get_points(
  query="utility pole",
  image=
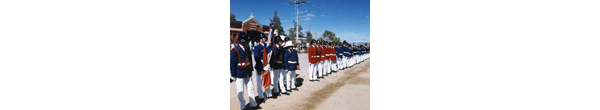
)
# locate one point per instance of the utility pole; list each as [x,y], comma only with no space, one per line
[297,3]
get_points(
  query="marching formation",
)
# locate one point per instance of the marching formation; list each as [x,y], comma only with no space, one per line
[277,61]
[327,57]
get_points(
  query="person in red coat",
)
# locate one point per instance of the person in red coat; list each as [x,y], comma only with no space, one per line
[321,58]
[312,59]
[333,57]
[325,59]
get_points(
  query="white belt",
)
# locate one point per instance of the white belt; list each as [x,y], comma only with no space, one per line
[277,61]
[292,62]
[240,64]
[318,55]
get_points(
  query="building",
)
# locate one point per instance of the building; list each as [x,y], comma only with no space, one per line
[250,24]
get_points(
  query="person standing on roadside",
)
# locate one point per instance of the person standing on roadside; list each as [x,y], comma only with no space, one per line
[240,65]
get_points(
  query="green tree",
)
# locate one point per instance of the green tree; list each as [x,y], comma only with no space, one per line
[231,16]
[292,31]
[330,36]
[276,24]
[308,36]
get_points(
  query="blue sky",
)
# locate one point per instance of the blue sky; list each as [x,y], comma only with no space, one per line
[332,15]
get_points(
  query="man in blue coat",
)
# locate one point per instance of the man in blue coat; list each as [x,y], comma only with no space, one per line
[240,65]
[291,65]
[260,50]
[346,51]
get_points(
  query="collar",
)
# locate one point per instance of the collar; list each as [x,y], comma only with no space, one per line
[242,47]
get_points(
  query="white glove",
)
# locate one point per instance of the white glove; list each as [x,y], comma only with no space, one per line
[267,68]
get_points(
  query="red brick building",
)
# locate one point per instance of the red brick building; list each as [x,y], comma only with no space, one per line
[251,24]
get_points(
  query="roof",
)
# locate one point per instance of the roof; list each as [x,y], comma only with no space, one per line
[251,19]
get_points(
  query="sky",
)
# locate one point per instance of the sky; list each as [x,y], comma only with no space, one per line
[332,15]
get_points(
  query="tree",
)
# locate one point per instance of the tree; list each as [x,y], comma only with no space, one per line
[292,32]
[330,36]
[308,36]
[231,16]
[277,24]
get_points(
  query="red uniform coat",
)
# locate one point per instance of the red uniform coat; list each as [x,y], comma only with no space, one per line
[332,55]
[324,53]
[312,55]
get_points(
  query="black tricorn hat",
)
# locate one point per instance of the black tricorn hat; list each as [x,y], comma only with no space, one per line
[286,39]
[313,41]
[243,37]
[277,39]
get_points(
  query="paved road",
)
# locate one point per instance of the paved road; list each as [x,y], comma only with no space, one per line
[344,90]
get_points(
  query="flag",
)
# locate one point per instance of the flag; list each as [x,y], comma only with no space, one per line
[269,37]
[266,80]
[266,76]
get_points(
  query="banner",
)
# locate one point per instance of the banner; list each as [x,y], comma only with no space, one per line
[266,80]
[269,37]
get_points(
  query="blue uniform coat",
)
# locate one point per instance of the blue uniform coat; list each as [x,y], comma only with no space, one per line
[291,60]
[234,60]
[277,57]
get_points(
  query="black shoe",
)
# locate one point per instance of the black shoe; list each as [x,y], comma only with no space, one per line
[312,80]
[259,100]
[286,93]
[296,89]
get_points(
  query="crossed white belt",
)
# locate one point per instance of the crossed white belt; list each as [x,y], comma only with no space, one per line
[292,62]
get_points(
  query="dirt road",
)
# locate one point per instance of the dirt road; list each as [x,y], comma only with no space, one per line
[345,90]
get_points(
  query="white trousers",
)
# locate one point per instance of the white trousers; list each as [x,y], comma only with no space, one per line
[291,79]
[334,66]
[259,84]
[312,71]
[344,62]
[239,84]
[320,69]
[339,64]
[282,76]
[327,66]
[275,80]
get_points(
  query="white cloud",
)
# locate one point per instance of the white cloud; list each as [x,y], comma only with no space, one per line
[305,19]
[322,15]
[309,15]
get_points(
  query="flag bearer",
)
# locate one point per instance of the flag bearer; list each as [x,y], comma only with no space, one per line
[260,57]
